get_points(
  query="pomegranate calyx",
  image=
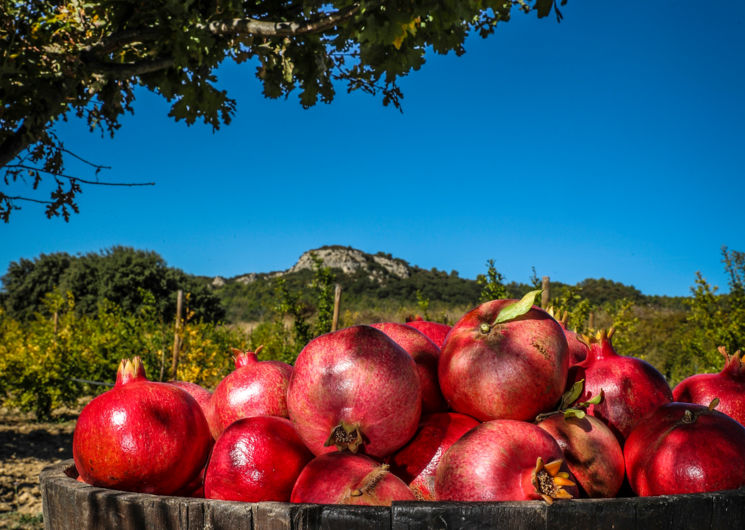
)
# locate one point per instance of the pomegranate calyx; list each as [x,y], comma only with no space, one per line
[549,482]
[345,436]
[733,364]
[246,358]
[600,345]
[561,318]
[130,371]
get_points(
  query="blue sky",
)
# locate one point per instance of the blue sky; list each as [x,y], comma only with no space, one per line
[609,145]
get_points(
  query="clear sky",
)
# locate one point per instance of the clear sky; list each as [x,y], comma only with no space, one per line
[609,145]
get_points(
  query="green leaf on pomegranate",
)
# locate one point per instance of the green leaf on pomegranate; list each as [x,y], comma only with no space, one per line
[517,309]
[594,400]
[574,413]
[572,395]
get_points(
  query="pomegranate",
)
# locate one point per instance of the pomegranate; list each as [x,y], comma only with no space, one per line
[577,348]
[504,460]
[435,331]
[346,478]
[504,359]
[141,436]
[426,354]
[354,389]
[256,459]
[198,392]
[685,448]
[590,448]
[728,386]
[632,387]
[417,461]
[254,388]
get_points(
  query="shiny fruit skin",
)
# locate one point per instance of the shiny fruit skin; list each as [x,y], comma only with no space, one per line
[515,370]
[256,459]
[685,448]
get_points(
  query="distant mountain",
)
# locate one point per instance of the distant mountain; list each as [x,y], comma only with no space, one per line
[371,283]
[375,281]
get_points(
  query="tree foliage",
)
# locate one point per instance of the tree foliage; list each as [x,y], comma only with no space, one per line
[720,318]
[86,58]
[48,362]
[492,284]
[121,275]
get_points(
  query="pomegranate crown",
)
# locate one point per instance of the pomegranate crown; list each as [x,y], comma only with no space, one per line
[733,364]
[549,482]
[561,317]
[245,358]
[600,336]
[599,344]
[130,371]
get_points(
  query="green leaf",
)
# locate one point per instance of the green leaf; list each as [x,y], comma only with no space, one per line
[595,400]
[573,394]
[517,309]
[574,413]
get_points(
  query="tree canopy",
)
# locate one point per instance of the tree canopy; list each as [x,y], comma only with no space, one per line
[85,58]
[122,275]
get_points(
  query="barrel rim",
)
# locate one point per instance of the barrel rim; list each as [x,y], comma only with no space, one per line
[66,473]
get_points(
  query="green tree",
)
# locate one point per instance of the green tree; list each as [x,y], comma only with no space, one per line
[27,282]
[86,58]
[323,285]
[492,285]
[718,318]
[120,275]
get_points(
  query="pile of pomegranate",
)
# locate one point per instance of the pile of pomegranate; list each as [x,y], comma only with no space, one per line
[506,405]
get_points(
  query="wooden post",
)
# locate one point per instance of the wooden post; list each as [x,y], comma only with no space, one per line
[546,294]
[177,333]
[56,321]
[592,321]
[337,301]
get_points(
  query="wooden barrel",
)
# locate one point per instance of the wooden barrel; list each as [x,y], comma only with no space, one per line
[72,505]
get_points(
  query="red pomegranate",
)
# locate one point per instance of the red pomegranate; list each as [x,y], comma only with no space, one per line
[198,392]
[435,331]
[141,436]
[504,460]
[426,354]
[728,386]
[256,459]
[254,388]
[504,359]
[346,478]
[354,389]
[591,449]
[632,387]
[416,462]
[685,448]
[577,348]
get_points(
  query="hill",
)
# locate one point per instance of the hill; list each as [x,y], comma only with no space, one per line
[380,282]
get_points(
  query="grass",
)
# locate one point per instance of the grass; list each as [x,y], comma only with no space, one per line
[21,521]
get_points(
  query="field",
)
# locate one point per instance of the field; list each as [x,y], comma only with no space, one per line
[26,447]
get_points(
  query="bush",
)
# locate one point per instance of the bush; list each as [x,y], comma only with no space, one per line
[45,362]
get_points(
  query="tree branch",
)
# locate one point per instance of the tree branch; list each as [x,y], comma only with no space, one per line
[123,38]
[78,179]
[124,70]
[280,29]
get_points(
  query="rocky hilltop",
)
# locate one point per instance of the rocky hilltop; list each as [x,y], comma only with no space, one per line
[349,260]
